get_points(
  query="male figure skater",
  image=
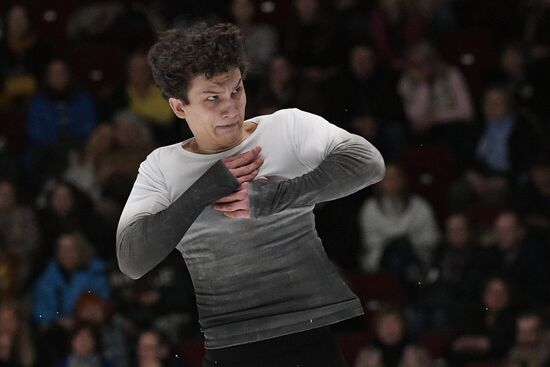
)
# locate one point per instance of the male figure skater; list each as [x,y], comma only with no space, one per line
[236,200]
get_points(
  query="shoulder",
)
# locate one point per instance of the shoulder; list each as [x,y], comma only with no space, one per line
[419,203]
[370,206]
[454,74]
[38,100]
[161,155]
[287,114]
[96,265]
[83,95]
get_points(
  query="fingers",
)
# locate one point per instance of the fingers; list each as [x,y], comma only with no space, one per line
[241,159]
[236,196]
[242,214]
[235,205]
[245,175]
[232,206]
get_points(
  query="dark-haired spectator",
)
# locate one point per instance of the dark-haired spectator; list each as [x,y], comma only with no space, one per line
[513,73]
[310,41]
[454,276]
[533,200]
[260,39]
[485,331]
[537,42]
[84,350]
[60,118]
[537,28]
[436,101]
[74,271]
[503,154]
[16,341]
[18,226]
[163,298]
[395,27]
[439,15]
[398,227]
[65,208]
[391,346]
[23,55]
[519,255]
[351,16]
[364,99]
[532,345]
[12,273]
[285,88]
[153,350]
[98,312]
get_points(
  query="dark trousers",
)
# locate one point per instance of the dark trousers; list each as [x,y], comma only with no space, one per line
[312,348]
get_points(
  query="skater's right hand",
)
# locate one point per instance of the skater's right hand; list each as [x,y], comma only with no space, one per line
[245,166]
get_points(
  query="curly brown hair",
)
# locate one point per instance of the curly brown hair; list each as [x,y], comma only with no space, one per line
[182,54]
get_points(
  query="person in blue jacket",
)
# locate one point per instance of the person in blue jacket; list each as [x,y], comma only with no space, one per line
[72,272]
[60,118]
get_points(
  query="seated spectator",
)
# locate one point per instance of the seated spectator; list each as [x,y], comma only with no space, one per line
[453,277]
[83,164]
[503,153]
[60,118]
[118,168]
[22,57]
[84,349]
[153,350]
[163,298]
[261,41]
[310,41]
[520,255]
[390,347]
[19,227]
[284,88]
[532,346]
[140,95]
[74,271]
[395,27]
[396,222]
[364,100]
[12,274]
[351,18]
[132,143]
[513,73]
[436,100]
[96,311]
[63,208]
[16,342]
[486,331]
[533,201]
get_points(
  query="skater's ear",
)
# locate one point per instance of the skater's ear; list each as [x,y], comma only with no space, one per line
[177,106]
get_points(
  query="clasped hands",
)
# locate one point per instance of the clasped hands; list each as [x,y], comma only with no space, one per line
[245,167]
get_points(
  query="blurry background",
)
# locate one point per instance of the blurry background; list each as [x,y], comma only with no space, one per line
[449,254]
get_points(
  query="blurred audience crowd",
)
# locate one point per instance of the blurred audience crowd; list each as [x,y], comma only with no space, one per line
[450,253]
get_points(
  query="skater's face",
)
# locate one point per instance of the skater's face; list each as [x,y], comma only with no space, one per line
[215,112]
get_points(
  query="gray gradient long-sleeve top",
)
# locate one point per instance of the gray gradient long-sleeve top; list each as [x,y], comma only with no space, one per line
[255,278]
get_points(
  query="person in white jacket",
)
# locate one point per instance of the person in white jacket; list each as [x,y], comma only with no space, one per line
[395,213]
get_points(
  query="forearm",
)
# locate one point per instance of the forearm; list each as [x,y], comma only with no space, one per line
[352,166]
[147,241]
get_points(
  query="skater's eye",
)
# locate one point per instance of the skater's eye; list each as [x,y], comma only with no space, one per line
[212,98]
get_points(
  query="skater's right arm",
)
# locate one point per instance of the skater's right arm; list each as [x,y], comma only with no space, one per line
[151,227]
